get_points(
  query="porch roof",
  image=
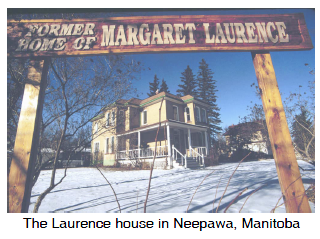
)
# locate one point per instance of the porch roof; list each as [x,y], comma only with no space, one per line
[163,123]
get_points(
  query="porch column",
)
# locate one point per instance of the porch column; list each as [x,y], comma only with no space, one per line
[117,147]
[139,142]
[169,143]
[189,140]
[206,141]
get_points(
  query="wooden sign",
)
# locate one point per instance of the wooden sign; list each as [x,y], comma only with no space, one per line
[40,38]
[149,34]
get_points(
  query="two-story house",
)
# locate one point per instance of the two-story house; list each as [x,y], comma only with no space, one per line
[251,136]
[125,132]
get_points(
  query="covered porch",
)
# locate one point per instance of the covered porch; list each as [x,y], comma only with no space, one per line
[176,142]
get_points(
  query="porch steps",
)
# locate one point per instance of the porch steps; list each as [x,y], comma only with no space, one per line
[191,163]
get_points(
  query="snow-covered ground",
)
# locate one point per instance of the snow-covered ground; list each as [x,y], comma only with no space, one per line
[85,190]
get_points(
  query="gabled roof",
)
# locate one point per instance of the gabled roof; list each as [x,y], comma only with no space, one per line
[159,96]
[189,98]
[152,98]
[133,101]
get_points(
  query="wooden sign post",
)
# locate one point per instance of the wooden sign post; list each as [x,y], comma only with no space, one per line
[150,34]
[283,152]
[27,137]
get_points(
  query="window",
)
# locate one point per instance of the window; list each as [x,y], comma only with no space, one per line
[144,117]
[121,117]
[107,145]
[107,119]
[113,117]
[112,144]
[197,114]
[187,114]
[96,147]
[204,115]
[121,114]
[175,113]
[96,128]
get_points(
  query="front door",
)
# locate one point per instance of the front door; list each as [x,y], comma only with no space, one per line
[176,139]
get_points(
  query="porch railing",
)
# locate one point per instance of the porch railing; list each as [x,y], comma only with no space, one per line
[199,150]
[199,157]
[175,153]
[160,151]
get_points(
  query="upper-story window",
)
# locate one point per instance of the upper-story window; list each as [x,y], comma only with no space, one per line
[187,114]
[107,119]
[96,128]
[121,116]
[113,117]
[197,114]
[144,117]
[175,113]
[204,115]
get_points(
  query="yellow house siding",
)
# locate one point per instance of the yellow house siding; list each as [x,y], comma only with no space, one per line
[104,132]
[191,108]
[153,113]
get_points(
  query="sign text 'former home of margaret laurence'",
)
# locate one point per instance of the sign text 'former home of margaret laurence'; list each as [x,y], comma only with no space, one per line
[157,34]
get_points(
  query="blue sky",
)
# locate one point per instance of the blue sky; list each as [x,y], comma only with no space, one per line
[234,72]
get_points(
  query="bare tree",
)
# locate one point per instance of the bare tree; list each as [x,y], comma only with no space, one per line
[78,90]
[300,111]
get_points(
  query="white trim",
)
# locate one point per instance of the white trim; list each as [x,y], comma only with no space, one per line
[189,141]
[168,143]
[206,141]
[139,143]
[175,106]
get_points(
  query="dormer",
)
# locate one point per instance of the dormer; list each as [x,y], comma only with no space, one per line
[195,110]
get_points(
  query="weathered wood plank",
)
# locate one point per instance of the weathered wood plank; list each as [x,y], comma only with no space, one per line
[282,147]
[27,137]
[151,34]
